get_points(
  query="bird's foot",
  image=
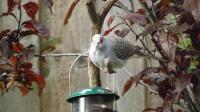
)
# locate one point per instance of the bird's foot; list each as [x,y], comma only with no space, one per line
[108,68]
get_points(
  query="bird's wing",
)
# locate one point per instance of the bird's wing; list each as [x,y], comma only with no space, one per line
[124,49]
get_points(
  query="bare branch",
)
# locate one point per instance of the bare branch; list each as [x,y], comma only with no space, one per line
[148,12]
[93,71]
[92,12]
[97,20]
[94,75]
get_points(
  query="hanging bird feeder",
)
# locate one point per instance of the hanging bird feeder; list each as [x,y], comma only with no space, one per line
[95,99]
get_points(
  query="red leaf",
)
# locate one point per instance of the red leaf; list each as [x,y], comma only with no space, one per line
[23,89]
[140,11]
[42,59]
[107,31]
[110,20]
[41,83]
[17,47]
[4,32]
[152,76]
[168,42]
[31,9]
[69,11]
[49,4]
[27,33]
[110,30]
[135,17]
[38,78]
[122,33]
[13,60]
[29,25]
[164,3]
[11,5]
[37,27]
[27,65]
[127,85]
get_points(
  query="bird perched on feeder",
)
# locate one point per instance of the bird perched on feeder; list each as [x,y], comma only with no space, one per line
[113,52]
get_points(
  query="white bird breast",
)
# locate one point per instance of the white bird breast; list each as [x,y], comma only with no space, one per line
[98,56]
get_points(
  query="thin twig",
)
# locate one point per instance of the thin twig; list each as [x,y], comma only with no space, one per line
[151,90]
[148,12]
[19,21]
[137,37]
[191,95]
[159,48]
[59,55]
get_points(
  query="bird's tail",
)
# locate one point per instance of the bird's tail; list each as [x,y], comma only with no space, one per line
[150,56]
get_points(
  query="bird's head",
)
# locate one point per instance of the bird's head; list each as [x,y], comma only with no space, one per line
[98,41]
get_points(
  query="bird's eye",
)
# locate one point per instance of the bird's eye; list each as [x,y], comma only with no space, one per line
[101,40]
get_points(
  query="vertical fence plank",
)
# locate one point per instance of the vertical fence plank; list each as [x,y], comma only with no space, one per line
[74,39]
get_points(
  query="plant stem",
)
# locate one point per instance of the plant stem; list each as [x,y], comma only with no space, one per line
[137,37]
[19,21]
[191,95]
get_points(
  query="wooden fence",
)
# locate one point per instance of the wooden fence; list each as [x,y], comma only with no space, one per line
[74,39]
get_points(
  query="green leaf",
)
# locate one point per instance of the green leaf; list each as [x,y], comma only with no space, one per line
[185,43]
[192,67]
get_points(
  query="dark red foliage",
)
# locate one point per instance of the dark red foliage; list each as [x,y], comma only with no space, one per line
[108,31]
[37,28]
[4,33]
[27,33]
[29,25]
[122,33]
[164,87]
[31,76]
[135,17]
[195,37]
[31,9]
[127,85]
[110,20]
[179,44]
[12,4]
[15,58]
[17,47]
[27,65]
[23,89]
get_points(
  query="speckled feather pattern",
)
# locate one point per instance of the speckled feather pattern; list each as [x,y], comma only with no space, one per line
[124,49]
